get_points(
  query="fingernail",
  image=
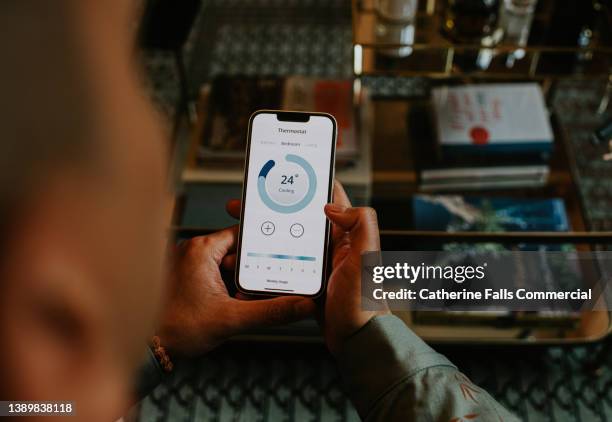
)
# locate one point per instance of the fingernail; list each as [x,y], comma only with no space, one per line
[334,208]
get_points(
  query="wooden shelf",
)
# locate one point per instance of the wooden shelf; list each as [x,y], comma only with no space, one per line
[436,56]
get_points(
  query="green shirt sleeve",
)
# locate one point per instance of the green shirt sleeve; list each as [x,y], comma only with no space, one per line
[391,374]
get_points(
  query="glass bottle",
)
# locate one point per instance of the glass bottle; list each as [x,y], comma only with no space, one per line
[472,21]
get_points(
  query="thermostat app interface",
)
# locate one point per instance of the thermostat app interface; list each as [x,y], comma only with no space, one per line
[288,184]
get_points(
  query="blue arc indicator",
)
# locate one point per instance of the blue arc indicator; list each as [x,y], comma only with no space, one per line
[287,209]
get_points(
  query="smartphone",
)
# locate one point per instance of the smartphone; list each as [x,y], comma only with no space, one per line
[289,173]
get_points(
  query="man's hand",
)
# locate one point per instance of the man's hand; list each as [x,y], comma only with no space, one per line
[354,231]
[200,314]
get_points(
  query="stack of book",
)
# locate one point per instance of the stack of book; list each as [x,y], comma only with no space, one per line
[215,152]
[489,136]
[455,213]
[230,101]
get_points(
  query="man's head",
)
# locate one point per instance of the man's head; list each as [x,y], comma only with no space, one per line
[82,189]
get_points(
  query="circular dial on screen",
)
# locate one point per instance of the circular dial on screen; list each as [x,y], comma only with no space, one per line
[288,186]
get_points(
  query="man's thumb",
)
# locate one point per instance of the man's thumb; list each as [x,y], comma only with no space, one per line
[277,311]
[361,222]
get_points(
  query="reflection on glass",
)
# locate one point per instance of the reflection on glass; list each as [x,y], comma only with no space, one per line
[474,22]
[395,34]
[515,19]
[396,25]
[397,10]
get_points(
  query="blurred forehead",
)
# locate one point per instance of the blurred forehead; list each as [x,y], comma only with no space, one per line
[66,69]
[70,93]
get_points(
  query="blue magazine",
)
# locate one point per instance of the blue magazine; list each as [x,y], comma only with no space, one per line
[455,213]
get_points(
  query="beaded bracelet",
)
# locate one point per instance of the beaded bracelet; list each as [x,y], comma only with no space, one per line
[161,355]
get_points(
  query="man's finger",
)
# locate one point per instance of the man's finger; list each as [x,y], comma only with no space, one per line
[348,218]
[246,296]
[229,262]
[361,222]
[243,296]
[340,196]
[233,208]
[268,312]
[340,199]
[220,243]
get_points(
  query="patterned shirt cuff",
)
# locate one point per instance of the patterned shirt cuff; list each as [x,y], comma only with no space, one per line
[381,355]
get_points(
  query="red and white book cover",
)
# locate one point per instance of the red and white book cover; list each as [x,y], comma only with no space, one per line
[502,118]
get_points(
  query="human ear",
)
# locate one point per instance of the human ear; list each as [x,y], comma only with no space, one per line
[55,339]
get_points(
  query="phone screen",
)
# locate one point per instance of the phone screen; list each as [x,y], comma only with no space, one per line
[288,181]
